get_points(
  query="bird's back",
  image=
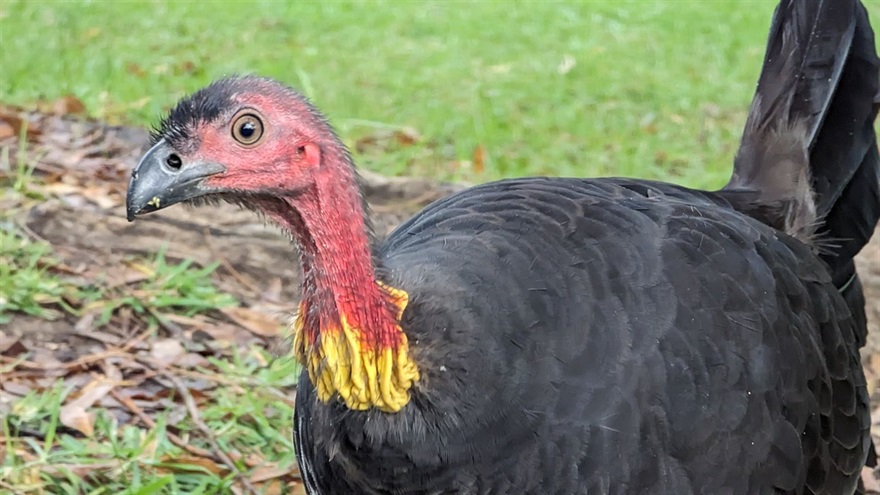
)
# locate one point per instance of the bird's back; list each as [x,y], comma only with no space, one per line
[607,336]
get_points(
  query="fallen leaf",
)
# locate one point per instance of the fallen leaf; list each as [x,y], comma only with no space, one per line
[68,104]
[479,159]
[11,123]
[192,360]
[100,195]
[61,188]
[6,130]
[75,414]
[167,351]
[17,388]
[11,347]
[271,487]
[257,323]
[407,136]
[271,471]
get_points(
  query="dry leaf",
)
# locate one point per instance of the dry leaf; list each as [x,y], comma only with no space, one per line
[479,159]
[6,130]
[407,136]
[167,351]
[195,321]
[11,123]
[101,196]
[192,360]
[76,415]
[68,104]
[271,471]
[257,323]
[16,388]
[271,487]
[11,347]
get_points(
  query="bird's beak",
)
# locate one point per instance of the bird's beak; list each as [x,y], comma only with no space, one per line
[161,180]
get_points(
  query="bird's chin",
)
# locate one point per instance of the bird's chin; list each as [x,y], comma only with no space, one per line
[261,202]
[278,209]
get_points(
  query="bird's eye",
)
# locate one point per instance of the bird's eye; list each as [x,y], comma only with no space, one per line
[247,129]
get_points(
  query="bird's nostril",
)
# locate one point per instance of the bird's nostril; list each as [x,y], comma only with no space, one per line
[173,161]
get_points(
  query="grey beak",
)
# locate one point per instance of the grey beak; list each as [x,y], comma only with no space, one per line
[161,180]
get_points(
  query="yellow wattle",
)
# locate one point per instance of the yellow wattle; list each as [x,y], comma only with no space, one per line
[363,377]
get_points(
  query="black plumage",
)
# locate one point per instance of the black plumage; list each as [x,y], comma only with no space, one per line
[626,337]
[622,336]
[576,336]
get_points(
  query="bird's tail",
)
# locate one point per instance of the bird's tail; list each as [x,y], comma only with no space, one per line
[808,163]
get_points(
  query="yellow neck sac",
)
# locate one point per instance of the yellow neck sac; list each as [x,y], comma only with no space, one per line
[364,376]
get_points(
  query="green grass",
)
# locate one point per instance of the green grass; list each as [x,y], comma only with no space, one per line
[246,415]
[657,89]
[178,288]
[31,287]
[28,286]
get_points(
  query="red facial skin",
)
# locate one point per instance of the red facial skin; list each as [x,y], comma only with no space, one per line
[299,159]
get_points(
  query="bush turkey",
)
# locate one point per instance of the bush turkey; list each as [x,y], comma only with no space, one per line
[565,335]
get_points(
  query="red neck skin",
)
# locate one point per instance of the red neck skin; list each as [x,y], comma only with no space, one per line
[329,224]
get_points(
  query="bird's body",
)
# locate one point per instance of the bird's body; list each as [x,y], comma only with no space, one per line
[574,336]
[650,334]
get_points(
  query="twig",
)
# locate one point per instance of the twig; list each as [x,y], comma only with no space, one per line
[196,418]
[137,340]
[27,230]
[77,363]
[148,421]
[80,362]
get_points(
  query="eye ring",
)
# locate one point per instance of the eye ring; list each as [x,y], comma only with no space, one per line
[247,129]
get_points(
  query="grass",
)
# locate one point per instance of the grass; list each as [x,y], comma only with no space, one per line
[31,287]
[655,89]
[249,413]
[121,459]
[178,288]
[28,287]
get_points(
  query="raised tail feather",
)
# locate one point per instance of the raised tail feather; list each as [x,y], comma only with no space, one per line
[808,163]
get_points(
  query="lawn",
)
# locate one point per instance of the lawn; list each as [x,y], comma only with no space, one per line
[655,89]
[465,91]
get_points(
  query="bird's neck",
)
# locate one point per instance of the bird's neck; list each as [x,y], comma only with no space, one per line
[347,332]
